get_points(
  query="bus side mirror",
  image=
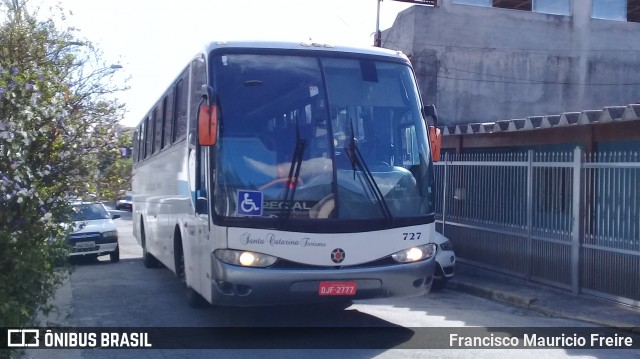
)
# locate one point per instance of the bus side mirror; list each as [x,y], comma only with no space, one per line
[435,135]
[435,140]
[202,205]
[430,111]
[207,125]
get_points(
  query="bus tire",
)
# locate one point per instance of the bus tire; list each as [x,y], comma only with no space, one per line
[148,259]
[194,299]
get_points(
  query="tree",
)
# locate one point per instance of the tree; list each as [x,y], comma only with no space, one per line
[57,112]
[115,166]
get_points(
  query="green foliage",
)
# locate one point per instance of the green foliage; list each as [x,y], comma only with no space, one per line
[115,170]
[115,179]
[57,116]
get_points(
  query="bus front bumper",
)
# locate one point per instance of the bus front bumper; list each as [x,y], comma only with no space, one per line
[245,286]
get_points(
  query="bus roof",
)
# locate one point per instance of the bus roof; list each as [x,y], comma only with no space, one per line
[292,45]
[308,45]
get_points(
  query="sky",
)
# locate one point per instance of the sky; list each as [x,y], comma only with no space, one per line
[154,40]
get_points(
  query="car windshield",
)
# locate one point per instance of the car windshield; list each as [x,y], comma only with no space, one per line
[306,137]
[89,212]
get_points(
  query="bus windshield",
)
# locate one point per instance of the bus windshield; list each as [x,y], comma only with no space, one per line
[319,138]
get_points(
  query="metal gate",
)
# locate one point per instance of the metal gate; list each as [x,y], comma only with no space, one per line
[562,219]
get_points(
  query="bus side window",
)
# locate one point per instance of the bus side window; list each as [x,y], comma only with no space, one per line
[181,107]
[168,119]
[158,120]
[141,146]
[148,137]
[198,78]
[135,144]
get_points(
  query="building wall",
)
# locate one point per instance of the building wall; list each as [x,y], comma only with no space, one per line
[483,64]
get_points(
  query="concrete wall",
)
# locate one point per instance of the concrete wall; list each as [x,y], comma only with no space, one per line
[480,64]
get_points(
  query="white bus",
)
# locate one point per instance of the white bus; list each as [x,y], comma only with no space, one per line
[279,173]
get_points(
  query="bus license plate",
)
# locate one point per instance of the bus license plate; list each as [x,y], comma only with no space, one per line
[337,288]
[82,245]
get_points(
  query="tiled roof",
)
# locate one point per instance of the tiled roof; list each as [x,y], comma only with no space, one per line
[607,114]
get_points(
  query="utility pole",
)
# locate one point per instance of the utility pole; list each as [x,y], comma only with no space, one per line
[377,42]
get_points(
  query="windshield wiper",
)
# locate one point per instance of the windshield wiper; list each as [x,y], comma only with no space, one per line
[292,179]
[356,159]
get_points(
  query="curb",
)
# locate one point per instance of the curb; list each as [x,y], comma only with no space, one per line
[533,304]
[493,294]
[585,318]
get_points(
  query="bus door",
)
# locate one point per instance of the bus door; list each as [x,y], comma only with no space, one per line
[199,262]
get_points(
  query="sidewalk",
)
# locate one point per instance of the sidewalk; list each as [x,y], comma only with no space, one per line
[544,299]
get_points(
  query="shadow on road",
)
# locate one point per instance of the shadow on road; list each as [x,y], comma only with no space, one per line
[125,294]
[89,260]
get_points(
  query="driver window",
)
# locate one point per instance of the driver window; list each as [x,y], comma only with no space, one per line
[410,150]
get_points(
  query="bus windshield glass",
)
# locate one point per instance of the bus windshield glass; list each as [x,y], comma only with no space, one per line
[317,138]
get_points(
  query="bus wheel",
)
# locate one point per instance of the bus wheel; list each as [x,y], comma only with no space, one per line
[194,300]
[148,259]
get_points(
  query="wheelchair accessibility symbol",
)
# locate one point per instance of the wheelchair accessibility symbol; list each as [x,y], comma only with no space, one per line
[249,203]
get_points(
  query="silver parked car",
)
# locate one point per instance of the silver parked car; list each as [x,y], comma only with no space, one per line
[445,261]
[94,233]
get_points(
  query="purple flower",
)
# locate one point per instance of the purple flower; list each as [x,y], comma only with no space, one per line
[14,71]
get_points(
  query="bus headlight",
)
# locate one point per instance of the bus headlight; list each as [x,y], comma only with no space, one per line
[245,258]
[415,254]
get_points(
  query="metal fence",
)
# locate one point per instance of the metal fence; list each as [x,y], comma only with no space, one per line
[563,219]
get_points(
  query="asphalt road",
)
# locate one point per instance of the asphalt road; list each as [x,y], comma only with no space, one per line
[126,294]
